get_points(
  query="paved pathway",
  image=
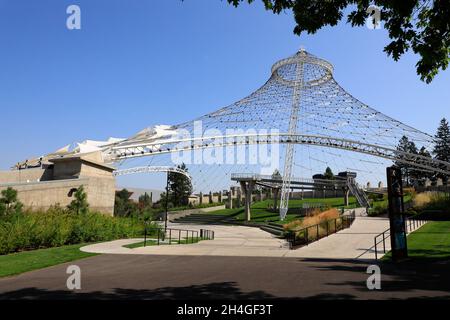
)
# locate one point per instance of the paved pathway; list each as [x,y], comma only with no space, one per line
[239,278]
[353,243]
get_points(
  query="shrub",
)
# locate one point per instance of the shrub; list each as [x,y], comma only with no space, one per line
[58,227]
[315,217]
[9,204]
[376,196]
[421,199]
[80,204]
[315,226]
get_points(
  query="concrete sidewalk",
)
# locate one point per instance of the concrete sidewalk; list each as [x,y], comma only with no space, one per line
[353,243]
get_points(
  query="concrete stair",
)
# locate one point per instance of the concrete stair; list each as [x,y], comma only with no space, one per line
[205,219]
[273,228]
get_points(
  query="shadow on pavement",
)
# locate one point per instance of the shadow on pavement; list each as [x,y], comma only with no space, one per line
[224,290]
[427,274]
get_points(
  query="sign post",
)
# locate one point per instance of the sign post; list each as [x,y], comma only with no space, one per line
[397,218]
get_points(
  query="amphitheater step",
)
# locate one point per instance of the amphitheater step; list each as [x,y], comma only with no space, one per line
[205,219]
[272,230]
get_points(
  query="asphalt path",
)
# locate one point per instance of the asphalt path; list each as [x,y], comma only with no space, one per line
[213,277]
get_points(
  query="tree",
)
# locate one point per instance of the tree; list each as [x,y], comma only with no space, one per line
[9,203]
[329,175]
[409,172]
[442,147]
[80,204]
[180,187]
[423,175]
[145,201]
[276,175]
[418,25]
[123,205]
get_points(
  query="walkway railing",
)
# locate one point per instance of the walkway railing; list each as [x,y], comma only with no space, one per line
[412,224]
[178,235]
[316,232]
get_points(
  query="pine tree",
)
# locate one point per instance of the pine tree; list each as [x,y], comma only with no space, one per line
[80,204]
[9,203]
[442,147]
[123,205]
[180,187]
[423,175]
[329,175]
[409,172]
[145,201]
[276,175]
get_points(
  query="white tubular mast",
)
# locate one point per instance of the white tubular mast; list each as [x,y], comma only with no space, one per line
[290,148]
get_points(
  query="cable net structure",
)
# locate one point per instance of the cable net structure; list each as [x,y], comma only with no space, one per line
[299,122]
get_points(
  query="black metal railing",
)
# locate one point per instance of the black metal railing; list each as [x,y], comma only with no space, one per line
[176,236]
[412,224]
[318,231]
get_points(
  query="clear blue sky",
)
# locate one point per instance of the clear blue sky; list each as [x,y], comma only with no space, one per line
[137,63]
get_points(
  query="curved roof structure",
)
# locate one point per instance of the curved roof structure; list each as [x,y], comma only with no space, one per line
[301,120]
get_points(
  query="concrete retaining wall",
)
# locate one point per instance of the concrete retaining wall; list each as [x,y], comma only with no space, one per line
[42,195]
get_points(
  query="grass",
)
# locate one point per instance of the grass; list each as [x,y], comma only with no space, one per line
[430,242]
[381,206]
[260,212]
[226,212]
[16,263]
[152,242]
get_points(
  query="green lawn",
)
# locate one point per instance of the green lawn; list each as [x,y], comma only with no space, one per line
[227,212]
[21,262]
[261,213]
[430,242]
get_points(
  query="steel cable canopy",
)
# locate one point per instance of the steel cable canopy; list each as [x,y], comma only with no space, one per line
[300,105]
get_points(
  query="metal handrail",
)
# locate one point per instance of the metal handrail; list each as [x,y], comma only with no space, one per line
[292,238]
[171,233]
[412,224]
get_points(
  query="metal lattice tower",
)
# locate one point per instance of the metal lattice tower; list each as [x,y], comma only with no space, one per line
[302,112]
[293,122]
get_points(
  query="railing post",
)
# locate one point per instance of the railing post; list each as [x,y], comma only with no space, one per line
[170,236]
[375,247]
[328,231]
[145,235]
[159,231]
[384,243]
[307,236]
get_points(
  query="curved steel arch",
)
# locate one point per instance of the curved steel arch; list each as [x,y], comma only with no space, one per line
[151,169]
[143,149]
